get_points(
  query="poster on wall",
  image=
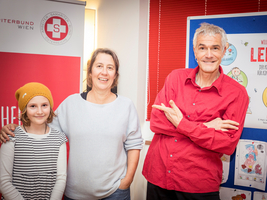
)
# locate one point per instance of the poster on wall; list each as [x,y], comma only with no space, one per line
[226,164]
[260,195]
[43,42]
[246,62]
[250,164]
[234,194]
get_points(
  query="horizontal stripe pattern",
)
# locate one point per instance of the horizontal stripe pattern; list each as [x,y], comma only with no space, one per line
[35,163]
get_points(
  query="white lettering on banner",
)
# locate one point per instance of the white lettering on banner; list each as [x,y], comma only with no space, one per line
[7,118]
[12,114]
[2,116]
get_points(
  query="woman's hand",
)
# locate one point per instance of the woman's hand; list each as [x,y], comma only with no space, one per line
[125,184]
[132,162]
[7,130]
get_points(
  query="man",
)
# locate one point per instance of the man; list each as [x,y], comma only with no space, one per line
[204,121]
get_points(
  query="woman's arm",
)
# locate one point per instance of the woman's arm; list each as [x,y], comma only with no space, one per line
[6,167]
[60,184]
[7,130]
[132,162]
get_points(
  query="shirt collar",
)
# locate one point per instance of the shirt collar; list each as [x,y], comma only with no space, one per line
[216,84]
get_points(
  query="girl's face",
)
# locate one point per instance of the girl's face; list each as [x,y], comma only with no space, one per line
[38,110]
[103,72]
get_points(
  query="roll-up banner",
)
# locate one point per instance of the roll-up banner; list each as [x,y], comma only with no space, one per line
[40,41]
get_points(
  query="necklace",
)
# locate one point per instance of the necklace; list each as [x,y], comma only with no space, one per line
[27,131]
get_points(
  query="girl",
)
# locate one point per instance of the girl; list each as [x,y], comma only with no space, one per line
[33,163]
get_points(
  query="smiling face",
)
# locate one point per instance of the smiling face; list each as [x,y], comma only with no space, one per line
[209,52]
[236,72]
[38,110]
[103,72]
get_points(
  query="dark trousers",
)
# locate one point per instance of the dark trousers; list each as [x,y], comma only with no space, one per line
[157,193]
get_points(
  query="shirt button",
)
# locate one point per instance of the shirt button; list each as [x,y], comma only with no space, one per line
[175,140]
[170,155]
[188,116]
[194,104]
[169,171]
[199,90]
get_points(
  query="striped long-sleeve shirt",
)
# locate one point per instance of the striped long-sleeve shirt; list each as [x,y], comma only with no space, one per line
[35,163]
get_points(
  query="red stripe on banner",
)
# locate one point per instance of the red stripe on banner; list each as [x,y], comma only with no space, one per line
[61,74]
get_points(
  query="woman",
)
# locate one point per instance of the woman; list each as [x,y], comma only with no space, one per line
[104,135]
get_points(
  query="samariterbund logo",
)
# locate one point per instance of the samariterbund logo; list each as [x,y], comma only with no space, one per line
[56,28]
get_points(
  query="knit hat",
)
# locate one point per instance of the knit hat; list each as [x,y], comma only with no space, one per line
[30,90]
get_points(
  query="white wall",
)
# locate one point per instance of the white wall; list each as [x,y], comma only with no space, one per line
[118,29]
[122,25]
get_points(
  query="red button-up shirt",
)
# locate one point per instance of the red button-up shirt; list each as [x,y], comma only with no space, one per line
[187,158]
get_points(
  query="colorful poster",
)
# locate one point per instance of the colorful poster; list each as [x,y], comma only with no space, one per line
[234,194]
[246,62]
[226,164]
[250,164]
[260,196]
[43,42]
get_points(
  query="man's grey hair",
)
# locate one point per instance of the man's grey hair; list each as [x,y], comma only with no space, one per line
[210,29]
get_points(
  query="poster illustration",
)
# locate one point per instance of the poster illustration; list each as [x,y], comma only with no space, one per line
[234,194]
[246,62]
[250,165]
[260,196]
[226,164]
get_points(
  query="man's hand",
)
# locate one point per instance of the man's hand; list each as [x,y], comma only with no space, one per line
[224,125]
[173,114]
[7,130]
